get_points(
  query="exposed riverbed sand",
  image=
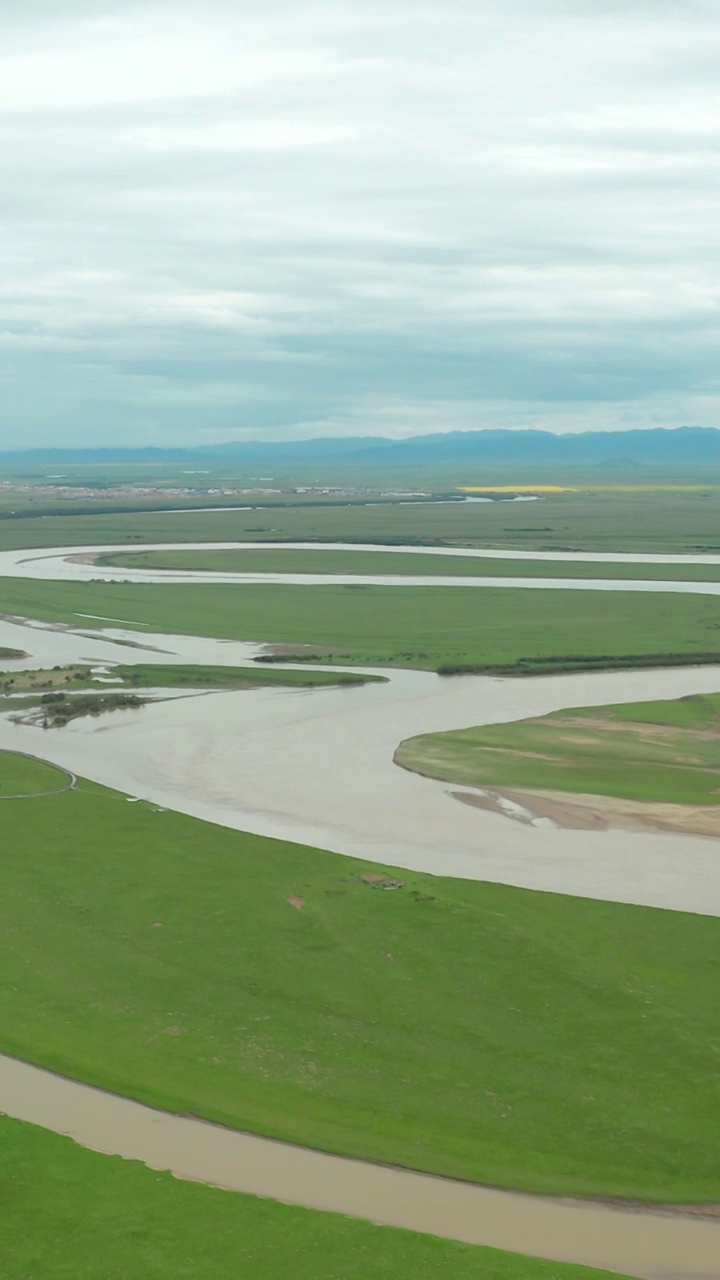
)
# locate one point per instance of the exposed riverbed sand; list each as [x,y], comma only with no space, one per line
[577,811]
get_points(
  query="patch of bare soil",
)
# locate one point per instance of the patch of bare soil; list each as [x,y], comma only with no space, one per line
[651,732]
[582,812]
[297,903]
[381,882]
[519,751]
[290,650]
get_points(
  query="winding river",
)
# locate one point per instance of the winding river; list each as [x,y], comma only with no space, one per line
[216,756]
[76,564]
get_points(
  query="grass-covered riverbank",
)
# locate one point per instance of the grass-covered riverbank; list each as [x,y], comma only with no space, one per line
[463,1028]
[71,1214]
[21,776]
[649,751]
[147,675]
[575,663]
[423,627]
[58,695]
[285,560]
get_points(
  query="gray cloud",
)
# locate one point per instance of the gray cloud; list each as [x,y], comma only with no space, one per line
[350,218]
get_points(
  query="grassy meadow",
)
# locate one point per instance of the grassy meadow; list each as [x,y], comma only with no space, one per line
[21,776]
[667,752]
[422,627]
[526,1040]
[592,519]
[467,1029]
[285,560]
[104,1216]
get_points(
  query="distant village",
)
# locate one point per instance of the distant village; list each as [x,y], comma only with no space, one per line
[102,493]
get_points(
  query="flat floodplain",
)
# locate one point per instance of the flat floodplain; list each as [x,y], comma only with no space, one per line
[285,560]
[643,518]
[649,751]
[421,627]
[467,1029]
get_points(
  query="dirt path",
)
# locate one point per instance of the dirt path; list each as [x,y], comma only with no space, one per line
[650,1245]
[70,784]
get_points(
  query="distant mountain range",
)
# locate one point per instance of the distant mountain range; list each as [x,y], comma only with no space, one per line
[610,449]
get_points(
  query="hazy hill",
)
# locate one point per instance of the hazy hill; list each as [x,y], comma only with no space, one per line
[623,449]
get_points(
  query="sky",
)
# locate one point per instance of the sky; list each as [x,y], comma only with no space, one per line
[229,220]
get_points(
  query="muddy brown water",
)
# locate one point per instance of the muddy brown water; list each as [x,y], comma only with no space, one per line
[649,1244]
[190,757]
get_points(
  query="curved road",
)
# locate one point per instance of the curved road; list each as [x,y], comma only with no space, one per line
[70,780]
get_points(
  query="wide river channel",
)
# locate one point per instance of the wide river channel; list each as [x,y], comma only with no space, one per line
[316,767]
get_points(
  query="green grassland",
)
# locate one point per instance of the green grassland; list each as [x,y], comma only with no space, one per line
[523,1039]
[174,676]
[421,626]
[593,520]
[665,752]
[279,560]
[21,776]
[179,676]
[72,1214]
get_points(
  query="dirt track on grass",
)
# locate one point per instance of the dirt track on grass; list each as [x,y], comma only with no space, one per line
[70,779]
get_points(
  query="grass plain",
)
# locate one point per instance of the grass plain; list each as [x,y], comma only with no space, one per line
[421,627]
[517,1038]
[467,1029]
[665,752]
[594,520]
[279,560]
[21,776]
[103,1216]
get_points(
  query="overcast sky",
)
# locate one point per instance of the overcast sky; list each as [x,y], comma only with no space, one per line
[226,219]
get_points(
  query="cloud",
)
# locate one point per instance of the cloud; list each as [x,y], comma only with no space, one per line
[310,218]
